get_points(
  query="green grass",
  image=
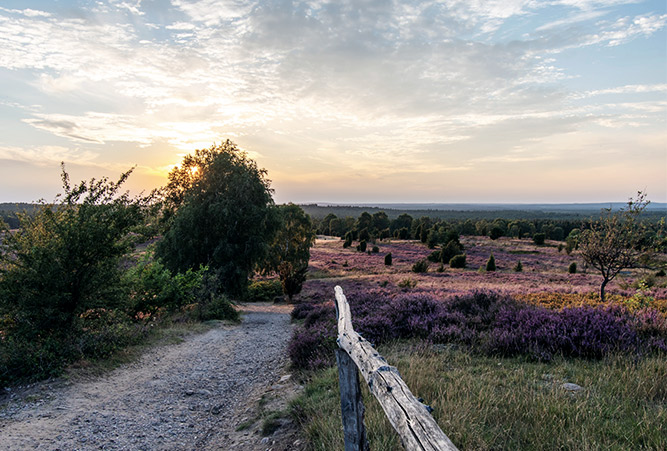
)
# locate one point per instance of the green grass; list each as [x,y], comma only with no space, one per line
[487,403]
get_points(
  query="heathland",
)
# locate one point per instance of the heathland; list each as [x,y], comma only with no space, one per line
[521,329]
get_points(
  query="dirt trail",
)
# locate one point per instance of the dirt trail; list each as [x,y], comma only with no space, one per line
[185,396]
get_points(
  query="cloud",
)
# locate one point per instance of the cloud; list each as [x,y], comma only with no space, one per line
[46,155]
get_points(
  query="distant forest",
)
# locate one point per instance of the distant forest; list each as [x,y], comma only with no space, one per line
[491,212]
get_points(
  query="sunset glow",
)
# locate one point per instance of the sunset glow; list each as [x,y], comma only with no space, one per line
[342,101]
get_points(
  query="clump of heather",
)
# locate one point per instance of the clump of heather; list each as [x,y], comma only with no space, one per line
[486,320]
[578,332]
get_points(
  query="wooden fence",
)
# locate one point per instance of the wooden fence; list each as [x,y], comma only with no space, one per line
[411,419]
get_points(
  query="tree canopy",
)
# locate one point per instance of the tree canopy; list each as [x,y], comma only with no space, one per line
[220,214]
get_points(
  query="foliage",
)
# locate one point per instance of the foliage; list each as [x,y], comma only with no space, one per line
[292,278]
[293,240]
[572,268]
[458,261]
[420,266]
[362,246]
[615,241]
[495,233]
[451,249]
[539,238]
[518,267]
[263,290]
[491,263]
[407,283]
[388,259]
[65,259]
[375,249]
[220,214]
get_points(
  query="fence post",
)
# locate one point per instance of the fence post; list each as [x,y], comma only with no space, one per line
[351,405]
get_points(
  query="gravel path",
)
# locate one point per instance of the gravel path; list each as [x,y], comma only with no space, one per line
[179,397]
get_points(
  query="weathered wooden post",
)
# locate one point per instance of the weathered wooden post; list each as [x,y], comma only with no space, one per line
[409,417]
[351,404]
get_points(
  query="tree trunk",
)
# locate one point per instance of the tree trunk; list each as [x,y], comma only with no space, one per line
[604,284]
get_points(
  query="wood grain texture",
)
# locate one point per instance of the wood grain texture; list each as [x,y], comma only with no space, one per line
[414,424]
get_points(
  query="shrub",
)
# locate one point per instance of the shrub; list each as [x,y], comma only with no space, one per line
[434,256]
[420,266]
[518,267]
[362,246]
[375,249]
[539,238]
[451,249]
[313,347]
[407,283]
[292,278]
[263,291]
[660,273]
[491,263]
[495,233]
[388,259]
[458,261]
[572,269]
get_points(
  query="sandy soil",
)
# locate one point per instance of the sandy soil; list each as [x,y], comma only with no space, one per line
[192,395]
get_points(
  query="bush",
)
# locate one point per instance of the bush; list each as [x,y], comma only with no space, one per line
[495,233]
[539,238]
[407,283]
[572,269]
[518,267]
[375,249]
[388,259]
[434,256]
[263,291]
[362,246]
[451,249]
[292,278]
[660,273]
[421,266]
[458,261]
[215,306]
[491,263]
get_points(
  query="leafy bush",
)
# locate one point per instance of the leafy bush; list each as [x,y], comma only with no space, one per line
[420,266]
[572,269]
[407,283]
[292,278]
[450,250]
[539,238]
[458,261]
[263,291]
[518,267]
[215,306]
[375,249]
[495,233]
[388,259]
[362,246]
[491,263]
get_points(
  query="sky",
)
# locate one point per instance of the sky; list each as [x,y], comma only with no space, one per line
[503,101]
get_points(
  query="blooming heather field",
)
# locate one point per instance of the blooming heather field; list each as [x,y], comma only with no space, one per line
[494,353]
[541,312]
[544,272]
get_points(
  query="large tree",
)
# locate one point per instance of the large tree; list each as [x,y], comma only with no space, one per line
[220,214]
[615,240]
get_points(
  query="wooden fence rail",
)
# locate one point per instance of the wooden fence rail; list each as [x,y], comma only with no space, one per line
[411,419]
